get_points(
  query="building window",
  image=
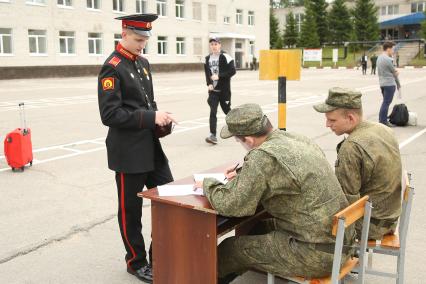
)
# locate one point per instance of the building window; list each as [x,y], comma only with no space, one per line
[5,41]
[239,17]
[95,43]
[251,18]
[161,8]
[198,46]
[389,10]
[117,38]
[212,13]
[162,45]
[37,41]
[252,46]
[117,5]
[226,20]
[36,2]
[196,11]
[66,42]
[180,45]
[298,17]
[140,6]
[180,9]
[94,4]
[418,7]
[66,3]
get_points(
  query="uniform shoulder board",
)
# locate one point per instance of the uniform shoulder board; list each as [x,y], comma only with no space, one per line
[228,57]
[114,61]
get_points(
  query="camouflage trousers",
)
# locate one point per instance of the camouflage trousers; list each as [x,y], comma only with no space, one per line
[268,249]
[376,232]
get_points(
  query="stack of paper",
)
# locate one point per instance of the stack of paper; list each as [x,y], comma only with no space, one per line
[219,176]
[179,190]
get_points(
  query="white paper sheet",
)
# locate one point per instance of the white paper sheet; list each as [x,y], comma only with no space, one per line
[178,190]
[219,176]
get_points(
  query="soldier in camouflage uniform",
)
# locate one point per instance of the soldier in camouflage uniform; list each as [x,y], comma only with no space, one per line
[368,160]
[290,177]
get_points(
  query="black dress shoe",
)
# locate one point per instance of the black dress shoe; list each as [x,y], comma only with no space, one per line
[144,273]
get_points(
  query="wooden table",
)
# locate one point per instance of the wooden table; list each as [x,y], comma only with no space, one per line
[184,233]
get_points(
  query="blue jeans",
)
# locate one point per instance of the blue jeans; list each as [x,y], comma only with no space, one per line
[387,92]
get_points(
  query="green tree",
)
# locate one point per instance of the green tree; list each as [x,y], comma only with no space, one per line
[365,20]
[424,28]
[290,34]
[340,22]
[275,40]
[319,8]
[309,35]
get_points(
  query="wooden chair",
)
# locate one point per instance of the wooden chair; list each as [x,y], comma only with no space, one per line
[394,244]
[342,220]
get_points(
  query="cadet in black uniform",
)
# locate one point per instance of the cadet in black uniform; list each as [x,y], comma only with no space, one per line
[127,107]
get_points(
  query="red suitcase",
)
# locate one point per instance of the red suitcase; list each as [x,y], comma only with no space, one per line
[17,145]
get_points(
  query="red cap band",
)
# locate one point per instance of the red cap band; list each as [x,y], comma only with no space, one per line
[136,24]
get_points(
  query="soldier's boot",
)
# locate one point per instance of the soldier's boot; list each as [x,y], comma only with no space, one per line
[144,273]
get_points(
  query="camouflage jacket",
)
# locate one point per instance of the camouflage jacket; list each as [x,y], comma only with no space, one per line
[369,163]
[290,177]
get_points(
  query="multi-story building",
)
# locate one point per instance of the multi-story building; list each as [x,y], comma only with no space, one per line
[44,36]
[399,19]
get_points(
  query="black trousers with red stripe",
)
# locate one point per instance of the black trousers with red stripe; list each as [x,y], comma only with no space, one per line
[130,211]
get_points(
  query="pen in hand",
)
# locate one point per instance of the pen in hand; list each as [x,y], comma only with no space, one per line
[235,168]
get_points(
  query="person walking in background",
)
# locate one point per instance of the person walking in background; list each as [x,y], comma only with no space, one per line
[219,68]
[364,64]
[388,80]
[254,63]
[397,59]
[373,60]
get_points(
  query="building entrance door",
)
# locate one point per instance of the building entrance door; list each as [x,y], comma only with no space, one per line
[238,59]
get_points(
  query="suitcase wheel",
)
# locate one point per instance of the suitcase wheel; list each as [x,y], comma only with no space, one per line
[13,169]
[31,163]
[22,169]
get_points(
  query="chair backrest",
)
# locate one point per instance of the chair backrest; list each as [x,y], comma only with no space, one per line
[407,200]
[342,220]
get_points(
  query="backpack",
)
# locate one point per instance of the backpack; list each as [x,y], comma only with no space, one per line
[399,115]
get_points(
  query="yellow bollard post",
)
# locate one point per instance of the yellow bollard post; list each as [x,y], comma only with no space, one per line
[282,103]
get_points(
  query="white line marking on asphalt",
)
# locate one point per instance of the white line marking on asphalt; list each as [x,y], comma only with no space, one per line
[199,123]
[412,138]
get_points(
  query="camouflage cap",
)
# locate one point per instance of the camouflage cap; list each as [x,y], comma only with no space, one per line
[244,120]
[340,98]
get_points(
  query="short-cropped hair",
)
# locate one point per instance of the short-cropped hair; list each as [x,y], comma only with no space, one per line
[388,44]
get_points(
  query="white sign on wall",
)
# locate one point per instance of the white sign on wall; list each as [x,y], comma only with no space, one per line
[310,54]
[335,55]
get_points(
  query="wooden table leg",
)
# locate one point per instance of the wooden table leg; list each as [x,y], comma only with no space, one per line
[184,245]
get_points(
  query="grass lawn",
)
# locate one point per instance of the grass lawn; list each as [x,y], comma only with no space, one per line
[351,60]
[419,61]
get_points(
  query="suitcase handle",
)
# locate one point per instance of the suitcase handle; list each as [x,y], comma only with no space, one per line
[23,120]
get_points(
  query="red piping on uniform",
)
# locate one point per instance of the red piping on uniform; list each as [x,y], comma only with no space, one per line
[123,221]
[136,24]
[125,52]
